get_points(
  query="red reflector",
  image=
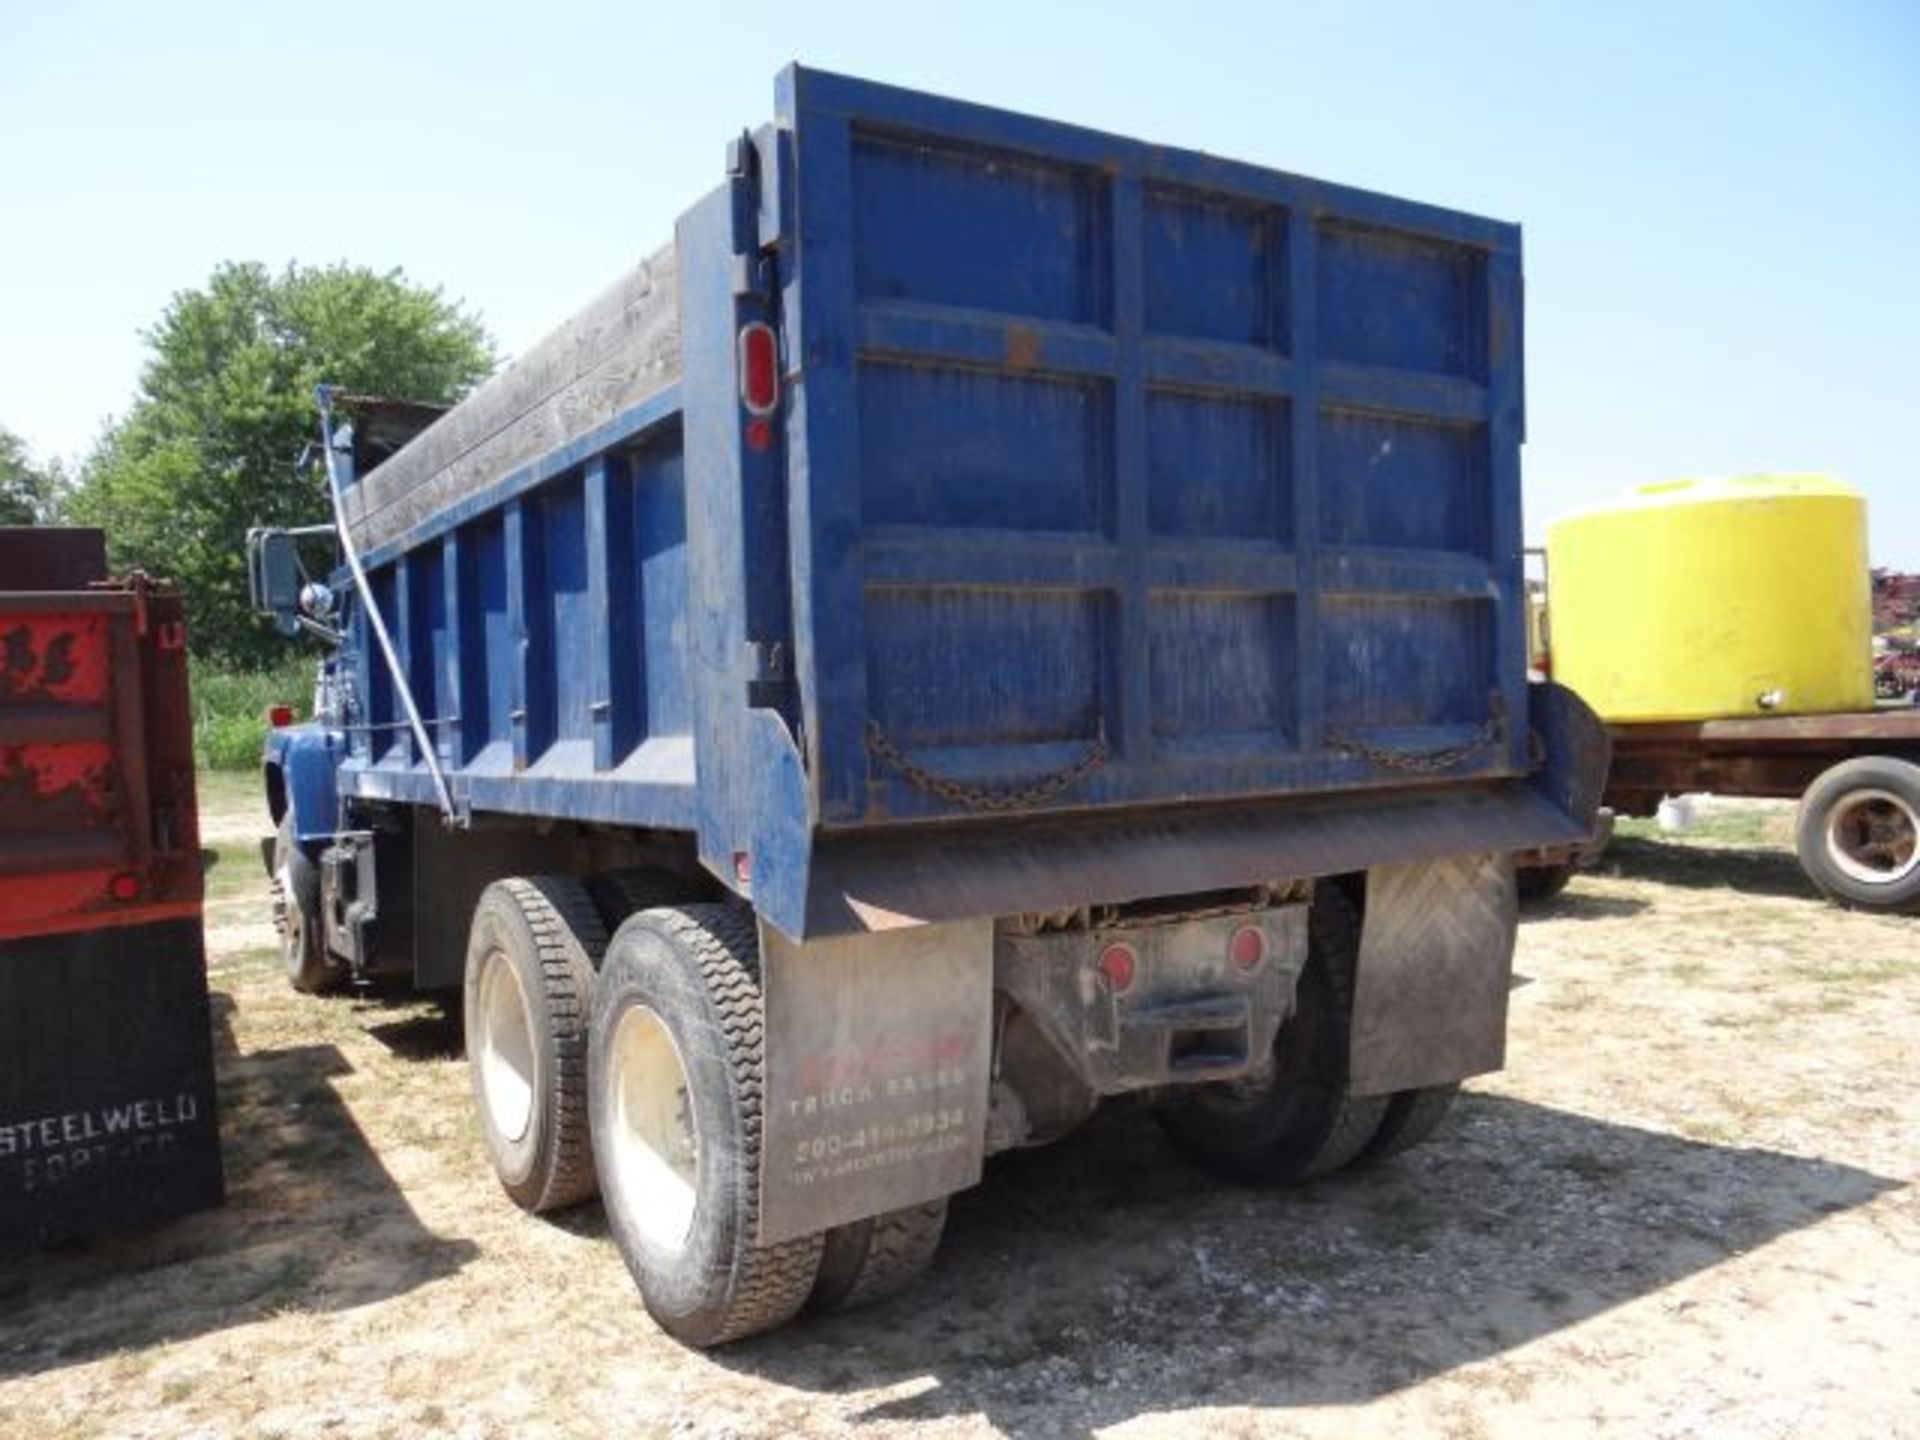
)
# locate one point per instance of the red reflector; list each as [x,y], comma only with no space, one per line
[124,886]
[280,716]
[759,435]
[1249,947]
[759,369]
[1116,968]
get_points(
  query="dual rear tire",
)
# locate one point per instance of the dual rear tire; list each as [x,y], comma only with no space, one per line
[531,956]
[1301,1121]
[636,1067]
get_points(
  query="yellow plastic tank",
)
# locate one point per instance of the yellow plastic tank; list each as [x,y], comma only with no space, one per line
[1700,599]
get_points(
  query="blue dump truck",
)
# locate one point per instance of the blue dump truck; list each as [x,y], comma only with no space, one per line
[992,617]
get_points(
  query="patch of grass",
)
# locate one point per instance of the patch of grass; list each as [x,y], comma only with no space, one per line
[286,1281]
[230,708]
[1761,827]
[235,872]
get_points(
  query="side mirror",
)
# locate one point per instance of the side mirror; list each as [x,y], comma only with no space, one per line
[274,577]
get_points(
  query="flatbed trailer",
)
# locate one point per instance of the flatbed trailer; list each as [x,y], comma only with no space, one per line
[1856,776]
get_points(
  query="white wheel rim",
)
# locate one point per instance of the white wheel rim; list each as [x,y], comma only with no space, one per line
[1873,836]
[507,1054]
[655,1141]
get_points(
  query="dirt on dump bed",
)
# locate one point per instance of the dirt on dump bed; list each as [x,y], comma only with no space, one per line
[1686,1208]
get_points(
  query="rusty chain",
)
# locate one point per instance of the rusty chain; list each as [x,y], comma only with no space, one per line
[1428,762]
[986,799]
[992,800]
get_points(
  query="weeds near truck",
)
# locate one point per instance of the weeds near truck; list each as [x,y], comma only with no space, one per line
[1685,1204]
[230,708]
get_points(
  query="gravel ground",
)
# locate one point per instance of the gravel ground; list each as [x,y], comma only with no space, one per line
[1685,1209]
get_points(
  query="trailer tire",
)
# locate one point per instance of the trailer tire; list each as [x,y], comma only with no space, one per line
[1300,1122]
[1412,1118]
[1858,833]
[677,1073]
[531,957]
[1538,884]
[296,915]
[876,1258]
[620,893]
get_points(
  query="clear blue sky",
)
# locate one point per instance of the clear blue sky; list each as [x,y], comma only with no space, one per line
[1721,200]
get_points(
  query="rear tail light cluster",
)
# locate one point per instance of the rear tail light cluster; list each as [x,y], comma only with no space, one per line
[1118,965]
[759,381]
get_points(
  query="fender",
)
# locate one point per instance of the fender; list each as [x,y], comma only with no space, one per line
[299,763]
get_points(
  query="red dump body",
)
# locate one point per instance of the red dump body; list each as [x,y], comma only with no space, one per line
[97,820]
[107,1106]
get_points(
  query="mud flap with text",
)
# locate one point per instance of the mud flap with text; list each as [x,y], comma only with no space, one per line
[1436,962]
[877,1055]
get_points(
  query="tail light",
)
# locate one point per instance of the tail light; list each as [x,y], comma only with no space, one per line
[759,381]
[280,716]
[759,369]
[1117,967]
[1247,948]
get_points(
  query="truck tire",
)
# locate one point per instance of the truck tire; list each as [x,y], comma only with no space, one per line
[1412,1118]
[676,1071]
[296,915]
[874,1259]
[620,893]
[1299,1122]
[1538,884]
[1858,833]
[531,956]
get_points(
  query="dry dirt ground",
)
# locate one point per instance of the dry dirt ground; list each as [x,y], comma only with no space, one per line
[1686,1208]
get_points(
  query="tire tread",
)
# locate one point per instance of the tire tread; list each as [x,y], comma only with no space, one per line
[566,929]
[874,1259]
[770,1282]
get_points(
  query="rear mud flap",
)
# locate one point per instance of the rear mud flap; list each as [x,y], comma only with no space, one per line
[1436,963]
[878,1051]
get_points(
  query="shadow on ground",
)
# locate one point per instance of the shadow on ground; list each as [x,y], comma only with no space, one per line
[1576,903]
[1710,867]
[1105,1278]
[312,1219]
[432,1033]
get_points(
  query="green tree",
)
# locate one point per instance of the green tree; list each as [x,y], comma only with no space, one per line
[225,405]
[28,492]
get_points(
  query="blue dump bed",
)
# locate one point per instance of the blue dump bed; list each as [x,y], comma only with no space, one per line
[1129,518]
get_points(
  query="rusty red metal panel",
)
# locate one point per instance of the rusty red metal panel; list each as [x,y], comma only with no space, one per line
[97,818]
[1775,755]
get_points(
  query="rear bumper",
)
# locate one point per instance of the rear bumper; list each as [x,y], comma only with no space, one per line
[885,879]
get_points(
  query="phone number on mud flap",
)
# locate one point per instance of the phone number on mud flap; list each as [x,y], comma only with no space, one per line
[891,1142]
